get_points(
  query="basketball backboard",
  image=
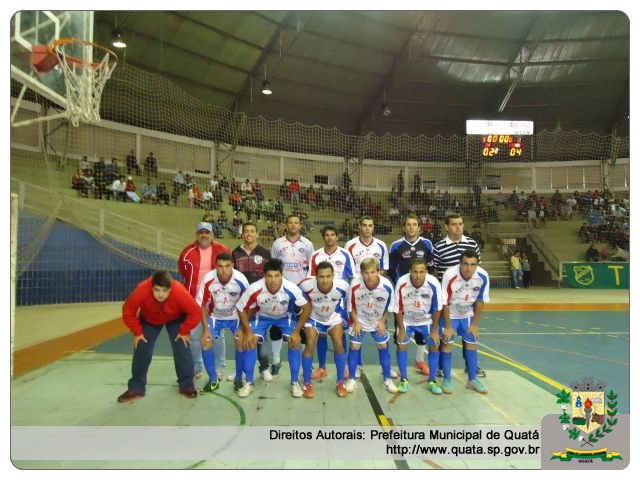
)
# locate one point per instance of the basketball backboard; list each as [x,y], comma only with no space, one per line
[30,28]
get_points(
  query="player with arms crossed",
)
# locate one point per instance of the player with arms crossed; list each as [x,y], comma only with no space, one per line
[272,301]
[419,304]
[218,294]
[465,290]
[371,298]
[328,298]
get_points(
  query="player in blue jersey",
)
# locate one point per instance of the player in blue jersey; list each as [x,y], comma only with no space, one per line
[328,297]
[465,290]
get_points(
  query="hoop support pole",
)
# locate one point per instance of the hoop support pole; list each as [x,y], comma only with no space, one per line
[31,121]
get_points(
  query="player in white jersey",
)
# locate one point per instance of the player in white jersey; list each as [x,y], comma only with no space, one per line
[328,298]
[272,301]
[419,298]
[344,269]
[295,252]
[367,246]
[218,294]
[371,299]
[465,290]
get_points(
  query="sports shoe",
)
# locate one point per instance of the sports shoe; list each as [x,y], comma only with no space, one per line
[346,374]
[237,384]
[447,387]
[404,386]
[266,375]
[359,371]
[189,392]
[422,367]
[476,385]
[245,390]
[296,390]
[231,377]
[275,369]
[129,396]
[394,374]
[210,387]
[341,391]
[319,373]
[390,386]
[434,388]
[439,373]
[197,374]
[219,374]
[308,391]
[350,385]
[480,372]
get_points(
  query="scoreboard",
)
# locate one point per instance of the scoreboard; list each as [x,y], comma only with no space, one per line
[500,140]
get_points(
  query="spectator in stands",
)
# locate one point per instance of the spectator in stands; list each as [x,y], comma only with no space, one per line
[89,182]
[236,225]
[516,269]
[266,209]
[234,185]
[556,200]
[394,215]
[191,197]
[346,179]
[257,189]
[417,183]
[163,195]
[306,223]
[294,194]
[118,189]
[584,235]
[246,188]
[568,208]
[400,183]
[175,194]
[225,186]
[278,211]
[77,183]
[132,163]
[526,270]
[151,165]
[604,252]
[214,183]
[223,221]
[179,183]
[157,301]
[250,208]
[235,201]
[477,236]
[532,217]
[592,253]
[217,197]
[84,164]
[207,198]
[619,255]
[112,171]
[149,192]
[130,190]
[197,195]
[311,197]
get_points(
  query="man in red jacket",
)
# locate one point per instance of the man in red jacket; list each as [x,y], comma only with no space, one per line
[196,260]
[157,301]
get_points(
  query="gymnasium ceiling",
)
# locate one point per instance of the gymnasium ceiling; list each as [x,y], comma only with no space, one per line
[435,69]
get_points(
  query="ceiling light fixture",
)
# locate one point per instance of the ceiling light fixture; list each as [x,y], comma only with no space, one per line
[266,86]
[118,38]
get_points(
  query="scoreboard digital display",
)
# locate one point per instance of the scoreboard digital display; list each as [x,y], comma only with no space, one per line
[500,140]
[501,146]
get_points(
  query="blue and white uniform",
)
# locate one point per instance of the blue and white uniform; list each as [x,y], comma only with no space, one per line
[359,251]
[221,299]
[370,306]
[295,256]
[341,260]
[418,305]
[460,295]
[328,309]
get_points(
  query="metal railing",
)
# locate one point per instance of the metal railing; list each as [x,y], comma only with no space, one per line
[549,257]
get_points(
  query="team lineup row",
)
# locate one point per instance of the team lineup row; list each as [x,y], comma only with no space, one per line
[277,294]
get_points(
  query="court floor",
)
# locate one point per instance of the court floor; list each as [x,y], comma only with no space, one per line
[529,356]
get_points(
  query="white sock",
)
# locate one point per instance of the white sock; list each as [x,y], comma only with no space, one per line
[276,346]
[420,353]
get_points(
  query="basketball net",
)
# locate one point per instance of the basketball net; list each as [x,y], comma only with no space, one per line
[84,78]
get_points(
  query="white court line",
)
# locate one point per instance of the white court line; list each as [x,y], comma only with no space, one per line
[609,334]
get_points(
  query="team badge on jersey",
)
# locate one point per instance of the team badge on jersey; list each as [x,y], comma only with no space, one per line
[257,259]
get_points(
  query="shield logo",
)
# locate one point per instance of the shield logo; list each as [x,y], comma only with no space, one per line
[583,274]
[587,410]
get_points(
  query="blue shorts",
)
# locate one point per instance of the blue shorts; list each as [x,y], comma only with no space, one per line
[379,339]
[425,330]
[260,325]
[321,328]
[460,327]
[216,326]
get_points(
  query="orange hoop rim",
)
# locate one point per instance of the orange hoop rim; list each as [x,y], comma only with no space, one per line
[78,61]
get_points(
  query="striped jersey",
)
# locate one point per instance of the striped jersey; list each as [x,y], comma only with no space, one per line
[402,252]
[371,305]
[461,294]
[418,304]
[327,308]
[447,253]
[343,266]
[219,297]
[376,249]
[276,306]
[295,256]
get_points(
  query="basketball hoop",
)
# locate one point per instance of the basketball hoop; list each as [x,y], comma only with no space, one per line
[84,78]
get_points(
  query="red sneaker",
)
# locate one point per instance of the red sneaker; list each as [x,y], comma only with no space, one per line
[341,390]
[307,391]
[422,367]
[319,373]
[129,396]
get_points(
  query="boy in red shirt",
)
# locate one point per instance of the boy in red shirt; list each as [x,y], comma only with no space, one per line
[157,301]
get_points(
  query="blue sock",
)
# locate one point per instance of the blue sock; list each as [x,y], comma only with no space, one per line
[359,357]
[352,358]
[307,364]
[323,347]
[472,364]
[464,352]
[385,362]
[440,366]
[403,359]
[239,364]
[250,357]
[293,356]
[209,360]
[340,359]
[344,342]
[433,358]
[447,360]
